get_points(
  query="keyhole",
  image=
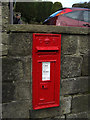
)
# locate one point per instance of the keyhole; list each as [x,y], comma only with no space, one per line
[42,86]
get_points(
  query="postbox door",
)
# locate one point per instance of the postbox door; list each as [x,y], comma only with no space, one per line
[47,84]
[46,77]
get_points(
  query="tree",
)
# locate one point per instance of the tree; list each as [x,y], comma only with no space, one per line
[34,11]
[82,5]
[56,6]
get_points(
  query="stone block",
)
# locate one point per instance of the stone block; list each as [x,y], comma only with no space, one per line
[0,23]
[48,29]
[0,3]
[12,69]
[16,91]
[0,10]
[4,3]
[20,44]
[5,38]
[0,37]
[0,30]
[74,85]
[62,117]
[0,91]
[16,109]
[88,115]
[44,113]
[64,108]
[80,103]
[0,110]
[16,73]
[77,115]
[23,91]
[5,14]
[3,49]
[71,66]
[89,102]
[84,44]
[27,68]
[86,65]
[69,44]
[8,91]
[65,105]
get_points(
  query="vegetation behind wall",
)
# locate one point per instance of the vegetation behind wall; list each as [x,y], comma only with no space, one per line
[82,5]
[36,11]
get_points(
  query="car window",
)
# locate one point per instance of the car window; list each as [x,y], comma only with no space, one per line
[73,15]
[86,15]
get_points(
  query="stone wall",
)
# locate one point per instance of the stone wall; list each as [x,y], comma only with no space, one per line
[17,72]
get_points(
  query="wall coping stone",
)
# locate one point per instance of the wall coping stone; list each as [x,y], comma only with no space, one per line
[46,29]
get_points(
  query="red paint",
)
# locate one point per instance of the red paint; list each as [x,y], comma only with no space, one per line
[46,52]
[64,11]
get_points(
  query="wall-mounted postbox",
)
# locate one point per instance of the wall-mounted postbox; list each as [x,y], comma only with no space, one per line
[46,53]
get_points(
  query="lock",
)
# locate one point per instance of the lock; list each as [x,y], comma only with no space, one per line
[44,86]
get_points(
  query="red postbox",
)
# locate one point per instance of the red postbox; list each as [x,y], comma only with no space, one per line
[46,57]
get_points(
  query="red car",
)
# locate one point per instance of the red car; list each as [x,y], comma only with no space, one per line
[75,17]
